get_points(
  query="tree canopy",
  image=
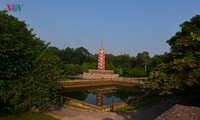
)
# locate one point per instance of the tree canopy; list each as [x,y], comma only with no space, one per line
[29,73]
[180,69]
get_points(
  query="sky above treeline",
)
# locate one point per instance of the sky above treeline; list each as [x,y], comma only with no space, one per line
[125,26]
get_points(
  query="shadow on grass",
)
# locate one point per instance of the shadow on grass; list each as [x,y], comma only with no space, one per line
[148,108]
[148,114]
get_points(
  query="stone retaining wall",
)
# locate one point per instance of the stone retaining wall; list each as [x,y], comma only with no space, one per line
[82,83]
[91,107]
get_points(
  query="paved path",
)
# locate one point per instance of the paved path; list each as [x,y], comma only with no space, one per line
[72,114]
[147,114]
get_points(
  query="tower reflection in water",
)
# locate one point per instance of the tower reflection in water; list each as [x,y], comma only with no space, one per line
[99,99]
[100,92]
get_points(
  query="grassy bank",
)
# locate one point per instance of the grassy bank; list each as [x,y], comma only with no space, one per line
[28,116]
[143,104]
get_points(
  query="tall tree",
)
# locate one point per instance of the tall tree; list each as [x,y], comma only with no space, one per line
[28,72]
[55,51]
[181,67]
[143,60]
[73,56]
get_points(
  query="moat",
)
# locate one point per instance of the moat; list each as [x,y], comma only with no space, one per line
[103,94]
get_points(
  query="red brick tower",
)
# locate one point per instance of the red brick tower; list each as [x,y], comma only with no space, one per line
[101,58]
[101,72]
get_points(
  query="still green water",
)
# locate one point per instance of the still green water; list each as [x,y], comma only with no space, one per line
[109,93]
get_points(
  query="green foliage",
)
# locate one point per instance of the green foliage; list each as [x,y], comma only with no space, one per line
[86,66]
[133,72]
[54,50]
[143,60]
[181,68]
[123,61]
[72,56]
[29,74]
[118,70]
[72,70]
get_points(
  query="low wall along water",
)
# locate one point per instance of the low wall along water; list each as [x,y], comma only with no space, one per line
[119,81]
[91,107]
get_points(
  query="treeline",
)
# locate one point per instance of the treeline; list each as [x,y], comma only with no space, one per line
[78,60]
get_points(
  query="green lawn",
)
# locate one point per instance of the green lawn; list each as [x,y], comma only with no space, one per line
[28,116]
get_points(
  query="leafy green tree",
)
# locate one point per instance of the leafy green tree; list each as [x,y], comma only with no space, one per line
[67,55]
[109,66]
[180,70]
[69,70]
[85,67]
[28,72]
[73,56]
[125,61]
[157,59]
[90,65]
[78,70]
[133,72]
[55,51]
[83,55]
[72,70]
[143,60]
[118,70]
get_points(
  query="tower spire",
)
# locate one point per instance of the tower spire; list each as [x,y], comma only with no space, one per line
[102,44]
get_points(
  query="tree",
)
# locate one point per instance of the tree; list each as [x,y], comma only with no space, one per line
[55,51]
[86,66]
[124,61]
[72,70]
[73,56]
[180,70]
[143,60]
[133,72]
[67,55]
[29,73]
[157,59]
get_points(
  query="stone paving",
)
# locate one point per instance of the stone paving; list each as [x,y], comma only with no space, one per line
[147,114]
[72,114]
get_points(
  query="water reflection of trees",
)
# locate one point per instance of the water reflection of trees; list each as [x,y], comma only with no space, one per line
[79,95]
[124,93]
[121,92]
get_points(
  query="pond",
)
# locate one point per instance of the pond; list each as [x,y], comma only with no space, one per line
[103,95]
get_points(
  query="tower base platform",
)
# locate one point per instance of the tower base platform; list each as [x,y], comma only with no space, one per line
[100,74]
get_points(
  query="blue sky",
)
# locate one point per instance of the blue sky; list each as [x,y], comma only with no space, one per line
[125,26]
